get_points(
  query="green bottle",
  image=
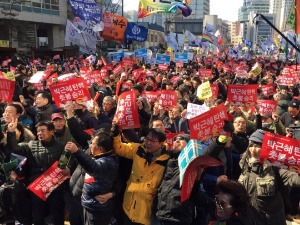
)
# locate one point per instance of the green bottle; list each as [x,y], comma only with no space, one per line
[64,158]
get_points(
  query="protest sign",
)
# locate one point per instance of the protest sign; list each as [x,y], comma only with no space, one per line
[194,110]
[163,59]
[163,67]
[136,73]
[242,93]
[47,182]
[118,69]
[151,96]
[281,151]
[215,90]
[284,80]
[267,106]
[190,160]
[170,139]
[204,91]
[208,124]
[7,88]
[268,89]
[241,73]
[205,73]
[64,92]
[104,72]
[127,62]
[179,64]
[92,76]
[127,113]
[168,99]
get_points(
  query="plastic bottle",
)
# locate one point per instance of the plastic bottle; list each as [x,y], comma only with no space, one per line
[64,158]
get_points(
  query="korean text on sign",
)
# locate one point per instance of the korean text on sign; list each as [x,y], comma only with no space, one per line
[281,151]
[208,124]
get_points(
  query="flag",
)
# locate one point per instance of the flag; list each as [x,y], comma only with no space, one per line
[181,39]
[170,43]
[136,32]
[114,27]
[207,37]
[191,37]
[86,10]
[232,52]
[209,28]
[218,35]
[148,7]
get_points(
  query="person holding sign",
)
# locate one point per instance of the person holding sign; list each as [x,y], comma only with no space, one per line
[41,155]
[101,173]
[265,183]
[149,162]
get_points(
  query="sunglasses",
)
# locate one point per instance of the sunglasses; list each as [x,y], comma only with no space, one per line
[221,204]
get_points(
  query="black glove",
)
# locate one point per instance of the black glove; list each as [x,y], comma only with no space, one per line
[115,130]
[228,126]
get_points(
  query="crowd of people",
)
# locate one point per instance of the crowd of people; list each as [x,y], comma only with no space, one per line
[131,176]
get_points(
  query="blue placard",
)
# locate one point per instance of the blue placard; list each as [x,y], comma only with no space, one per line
[181,57]
[118,55]
[163,59]
[141,53]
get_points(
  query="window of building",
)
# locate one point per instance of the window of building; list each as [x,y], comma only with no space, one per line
[155,38]
[152,38]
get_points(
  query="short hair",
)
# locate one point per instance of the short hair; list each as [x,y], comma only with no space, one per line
[104,140]
[152,121]
[18,108]
[111,99]
[158,133]
[48,124]
[46,95]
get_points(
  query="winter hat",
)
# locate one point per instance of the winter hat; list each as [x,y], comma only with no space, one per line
[185,137]
[257,136]
[294,103]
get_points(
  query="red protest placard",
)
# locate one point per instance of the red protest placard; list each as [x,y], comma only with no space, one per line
[104,72]
[163,67]
[191,172]
[128,62]
[208,124]
[151,96]
[136,73]
[170,138]
[281,151]
[268,89]
[242,93]
[127,113]
[168,99]
[241,73]
[204,73]
[47,182]
[174,79]
[118,69]
[66,91]
[92,76]
[267,106]
[179,64]
[215,90]
[284,80]
[103,60]
[126,85]
[7,88]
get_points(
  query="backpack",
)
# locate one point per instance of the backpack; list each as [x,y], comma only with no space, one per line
[14,203]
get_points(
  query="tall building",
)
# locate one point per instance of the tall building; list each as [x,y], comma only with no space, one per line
[200,8]
[284,12]
[275,8]
[42,24]
[258,6]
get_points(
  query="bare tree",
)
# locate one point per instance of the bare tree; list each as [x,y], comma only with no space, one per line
[110,6]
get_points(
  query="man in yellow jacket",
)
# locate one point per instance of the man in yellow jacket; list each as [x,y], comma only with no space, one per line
[149,161]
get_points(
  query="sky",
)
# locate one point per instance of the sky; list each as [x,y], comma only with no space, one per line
[225,9]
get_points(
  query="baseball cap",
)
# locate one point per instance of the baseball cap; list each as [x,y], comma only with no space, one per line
[58,115]
[294,103]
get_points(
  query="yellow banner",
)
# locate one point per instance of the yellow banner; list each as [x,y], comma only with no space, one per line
[9,75]
[204,91]
[4,43]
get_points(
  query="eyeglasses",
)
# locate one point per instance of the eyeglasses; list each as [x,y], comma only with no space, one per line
[151,140]
[180,138]
[221,204]
[41,130]
[104,103]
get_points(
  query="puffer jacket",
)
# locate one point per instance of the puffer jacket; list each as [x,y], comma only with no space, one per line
[101,174]
[169,207]
[143,182]
[40,155]
[264,187]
